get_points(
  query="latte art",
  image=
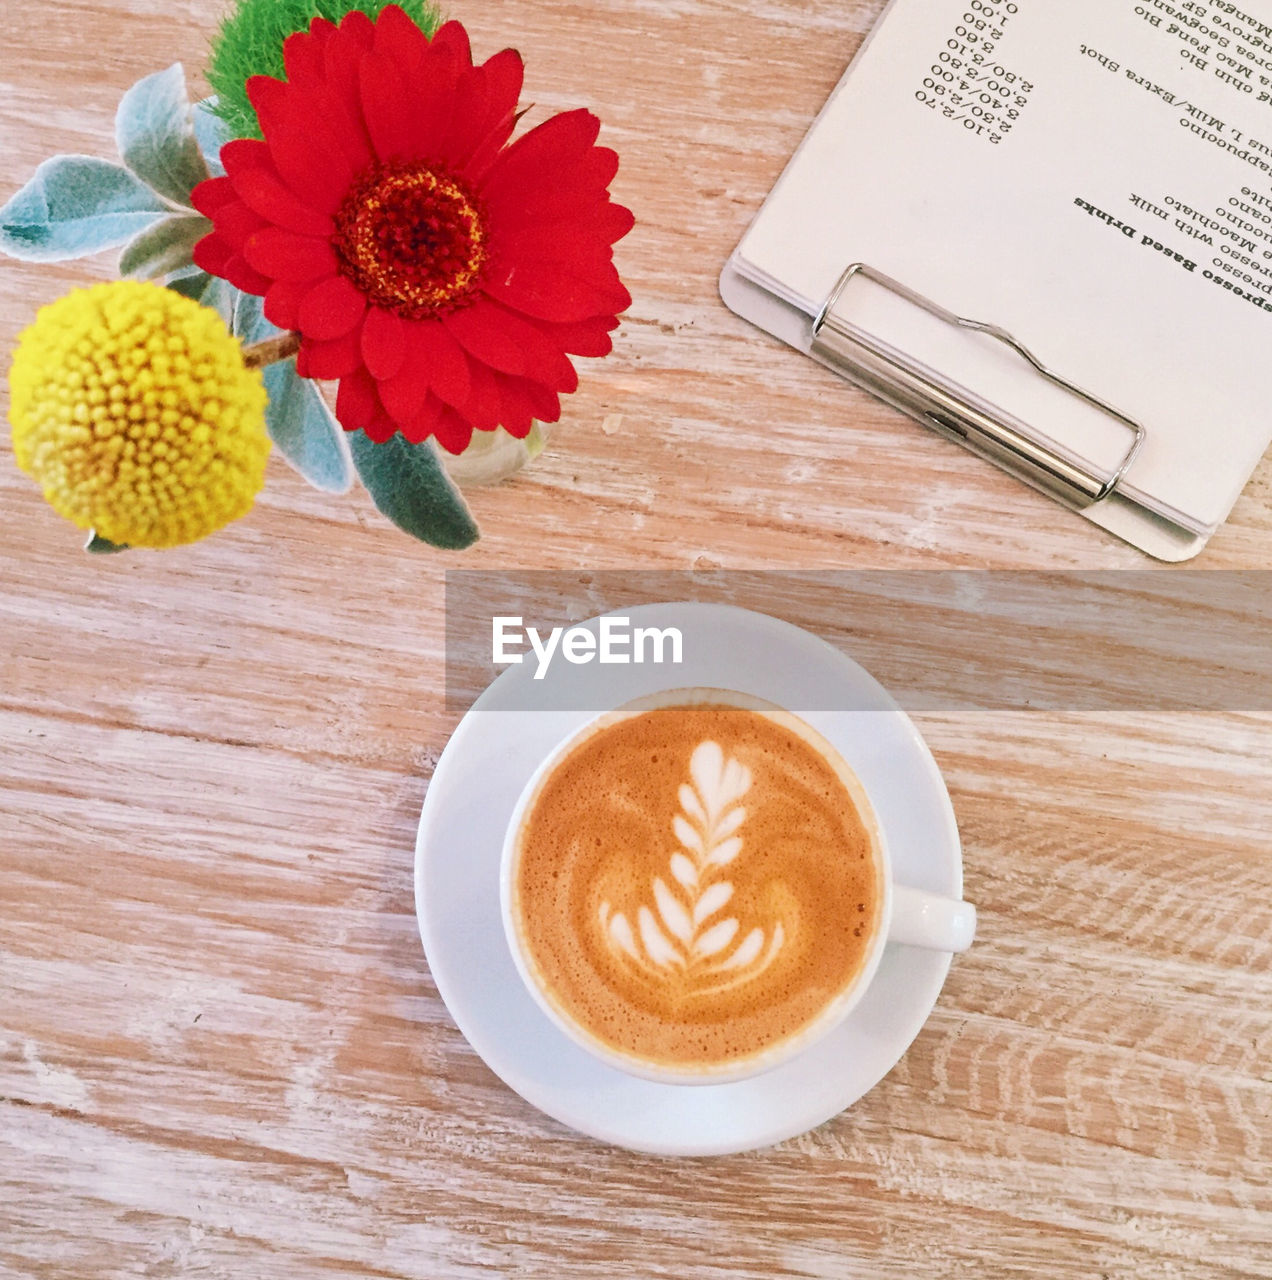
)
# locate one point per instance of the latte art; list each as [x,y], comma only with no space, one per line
[686,940]
[694,884]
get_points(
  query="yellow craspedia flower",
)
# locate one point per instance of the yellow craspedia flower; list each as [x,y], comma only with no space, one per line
[133,410]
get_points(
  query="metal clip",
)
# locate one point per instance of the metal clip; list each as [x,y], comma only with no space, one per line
[1000,438]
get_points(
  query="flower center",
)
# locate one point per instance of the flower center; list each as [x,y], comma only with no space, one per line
[412,240]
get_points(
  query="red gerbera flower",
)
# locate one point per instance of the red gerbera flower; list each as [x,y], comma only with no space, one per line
[442,275]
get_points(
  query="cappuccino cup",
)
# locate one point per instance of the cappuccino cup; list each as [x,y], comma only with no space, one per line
[695,888]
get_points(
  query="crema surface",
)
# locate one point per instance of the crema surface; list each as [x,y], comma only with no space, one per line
[695,884]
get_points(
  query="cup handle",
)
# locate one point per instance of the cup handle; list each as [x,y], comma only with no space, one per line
[927,920]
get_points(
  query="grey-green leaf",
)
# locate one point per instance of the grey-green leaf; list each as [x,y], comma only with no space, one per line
[164,247]
[249,319]
[155,135]
[297,419]
[74,206]
[210,291]
[409,485]
[192,285]
[99,546]
[211,133]
[304,429]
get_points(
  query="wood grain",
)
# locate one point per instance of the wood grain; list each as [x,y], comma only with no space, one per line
[221,1053]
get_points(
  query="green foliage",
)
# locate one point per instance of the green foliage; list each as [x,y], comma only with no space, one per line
[250,43]
[409,484]
[297,419]
[155,137]
[163,247]
[99,546]
[74,206]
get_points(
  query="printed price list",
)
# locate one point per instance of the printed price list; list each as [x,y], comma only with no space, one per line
[967,83]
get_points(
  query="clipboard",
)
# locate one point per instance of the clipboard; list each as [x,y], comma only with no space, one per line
[969,336]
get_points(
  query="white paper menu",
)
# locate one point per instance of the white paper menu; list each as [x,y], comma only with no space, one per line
[1095,176]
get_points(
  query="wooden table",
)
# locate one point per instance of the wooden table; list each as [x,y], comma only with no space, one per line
[221,1053]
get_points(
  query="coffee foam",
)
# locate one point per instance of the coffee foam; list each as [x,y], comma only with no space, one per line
[695,883]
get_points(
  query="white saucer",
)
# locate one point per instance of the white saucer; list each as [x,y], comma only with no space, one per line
[488,761]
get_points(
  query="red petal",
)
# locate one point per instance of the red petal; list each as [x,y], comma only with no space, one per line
[599,168]
[560,142]
[485,341]
[357,404]
[562,185]
[397,37]
[237,271]
[503,76]
[304,53]
[422,421]
[341,59]
[547,293]
[478,164]
[468,123]
[613,222]
[544,356]
[433,90]
[435,367]
[544,203]
[556,215]
[321,30]
[584,338]
[283,255]
[406,391]
[438,351]
[263,192]
[211,194]
[516,409]
[331,309]
[211,254]
[332,359]
[544,404]
[219,257]
[386,107]
[282,302]
[343,113]
[594,270]
[452,36]
[243,153]
[308,156]
[505,73]
[235,221]
[381,429]
[452,432]
[483,406]
[329,103]
[569,244]
[302,57]
[383,343]
[356,26]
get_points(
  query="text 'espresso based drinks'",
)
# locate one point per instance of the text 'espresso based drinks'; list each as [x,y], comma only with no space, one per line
[696,884]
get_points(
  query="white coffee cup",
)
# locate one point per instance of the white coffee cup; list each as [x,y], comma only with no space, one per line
[906,915]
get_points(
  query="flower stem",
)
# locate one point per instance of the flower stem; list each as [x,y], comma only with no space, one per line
[271,351]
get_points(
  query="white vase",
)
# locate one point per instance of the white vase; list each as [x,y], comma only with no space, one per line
[493,456]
